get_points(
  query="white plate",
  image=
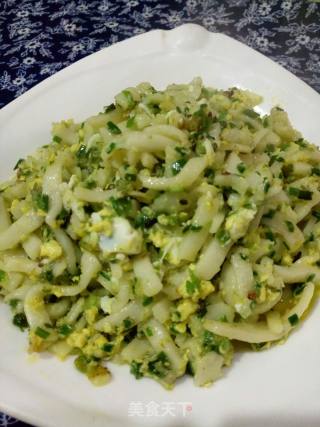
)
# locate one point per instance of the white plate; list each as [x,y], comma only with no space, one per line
[278,387]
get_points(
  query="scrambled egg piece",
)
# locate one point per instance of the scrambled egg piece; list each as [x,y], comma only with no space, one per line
[237,223]
[51,250]
[185,308]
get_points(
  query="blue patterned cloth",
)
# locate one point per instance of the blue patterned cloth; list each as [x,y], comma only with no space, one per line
[40,37]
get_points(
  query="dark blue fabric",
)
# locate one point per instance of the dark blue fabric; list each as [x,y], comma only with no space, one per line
[40,37]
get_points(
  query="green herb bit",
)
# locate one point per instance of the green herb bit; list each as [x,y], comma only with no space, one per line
[149,332]
[193,284]
[57,139]
[293,319]
[298,288]
[251,113]
[315,171]
[111,147]
[40,200]
[266,186]
[270,148]
[105,275]
[131,122]
[3,275]
[18,164]
[13,303]
[42,333]
[290,226]
[109,108]
[147,301]
[20,320]
[82,152]
[113,128]
[270,236]
[270,214]
[160,365]
[299,193]
[47,274]
[127,323]
[122,205]
[135,369]
[107,347]
[301,143]
[192,227]
[178,165]
[241,167]
[65,330]
[223,236]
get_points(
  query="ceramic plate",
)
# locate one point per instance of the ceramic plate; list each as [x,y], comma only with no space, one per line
[279,387]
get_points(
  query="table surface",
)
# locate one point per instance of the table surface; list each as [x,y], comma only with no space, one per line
[39,38]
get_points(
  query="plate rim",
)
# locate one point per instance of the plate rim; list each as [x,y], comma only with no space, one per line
[7,110]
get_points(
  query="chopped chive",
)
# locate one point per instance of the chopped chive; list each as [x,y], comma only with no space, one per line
[251,113]
[18,164]
[135,369]
[315,171]
[310,277]
[107,347]
[56,138]
[298,288]
[299,193]
[20,320]
[223,236]
[113,128]
[290,226]
[293,319]
[109,108]
[111,147]
[146,301]
[241,167]
[13,303]
[105,275]
[3,275]
[270,214]
[266,186]
[149,331]
[65,329]
[42,333]
[127,323]
[270,236]
[131,122]
[178,165]
[40,200]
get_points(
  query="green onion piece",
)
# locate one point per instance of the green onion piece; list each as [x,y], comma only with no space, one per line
[223,236]
[113,128]
[149,331]
[178,165]
[135,369]
[40,200]
[241,167]
[293,319]
[111,147]
[13,303]
[107,347]
[290,226]
[18,164]
[147,301]
[130,122]
[65,330]
[3,275]
[56,138]
[20,321]
[42,333]
[300,194]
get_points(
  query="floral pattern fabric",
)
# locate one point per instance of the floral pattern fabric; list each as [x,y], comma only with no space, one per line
[40,37]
